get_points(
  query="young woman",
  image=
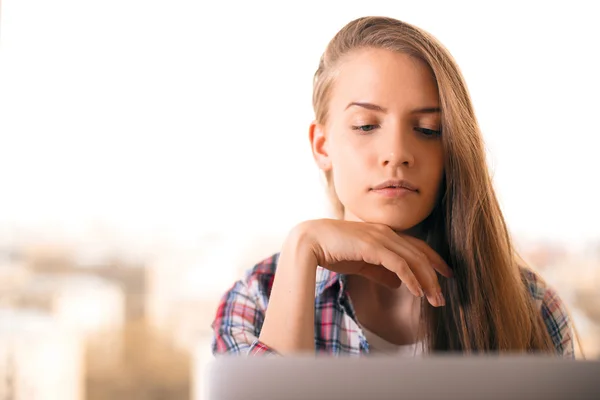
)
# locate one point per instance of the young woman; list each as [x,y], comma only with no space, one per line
[419,259]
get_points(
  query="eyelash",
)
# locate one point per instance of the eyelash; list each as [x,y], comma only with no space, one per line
[429,132]
[361,127]
[425,131]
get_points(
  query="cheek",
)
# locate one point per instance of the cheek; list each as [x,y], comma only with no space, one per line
[352,153]
[430,162]
[352,168]
[349,171]
[435,176]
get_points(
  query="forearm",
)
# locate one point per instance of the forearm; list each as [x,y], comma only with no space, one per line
[289,322]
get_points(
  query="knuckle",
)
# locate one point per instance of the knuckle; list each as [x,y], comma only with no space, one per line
[382,228]
[433,285]
[422,258]
[402,265]
[369,242]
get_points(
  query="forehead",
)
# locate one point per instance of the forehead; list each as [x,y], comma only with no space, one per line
[391,79]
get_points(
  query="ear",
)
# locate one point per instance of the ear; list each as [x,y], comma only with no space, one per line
[319,146]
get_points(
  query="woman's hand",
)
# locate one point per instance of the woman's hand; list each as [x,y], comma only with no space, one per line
[378,253]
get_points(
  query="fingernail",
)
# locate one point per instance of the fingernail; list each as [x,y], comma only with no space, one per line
[451,273]
[433,299]
[421,293]
[441,301]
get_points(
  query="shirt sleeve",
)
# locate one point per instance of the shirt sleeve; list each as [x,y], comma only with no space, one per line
[558,323]
[239,319]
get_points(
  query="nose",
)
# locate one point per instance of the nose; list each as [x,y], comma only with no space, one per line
[396,149]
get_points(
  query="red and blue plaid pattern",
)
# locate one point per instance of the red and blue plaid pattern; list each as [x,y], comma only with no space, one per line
[241,313]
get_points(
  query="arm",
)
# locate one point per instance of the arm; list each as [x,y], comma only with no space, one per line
[558,322]
[245,325]
[238,321]
[554,312]
[290,319]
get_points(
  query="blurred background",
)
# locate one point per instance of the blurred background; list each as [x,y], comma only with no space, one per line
[151,151]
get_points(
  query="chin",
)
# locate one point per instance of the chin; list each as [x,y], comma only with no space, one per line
[398,223]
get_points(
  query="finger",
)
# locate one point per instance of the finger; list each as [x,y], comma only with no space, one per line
[437,261]
[400,267]
[420,267]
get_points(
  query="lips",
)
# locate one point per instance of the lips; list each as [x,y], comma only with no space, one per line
[396,184]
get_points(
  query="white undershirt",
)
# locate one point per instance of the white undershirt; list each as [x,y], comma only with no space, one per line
[378,345]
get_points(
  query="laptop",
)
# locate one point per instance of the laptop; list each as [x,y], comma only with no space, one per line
[377,377]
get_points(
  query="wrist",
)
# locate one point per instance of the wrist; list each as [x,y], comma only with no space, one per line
[300,246]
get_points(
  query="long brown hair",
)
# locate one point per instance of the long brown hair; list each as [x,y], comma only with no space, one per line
[488,305]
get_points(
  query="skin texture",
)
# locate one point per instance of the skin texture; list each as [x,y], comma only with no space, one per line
[388,145]
[377,238]
[377,243]
[364,146]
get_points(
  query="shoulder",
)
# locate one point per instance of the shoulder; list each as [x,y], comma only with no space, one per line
[536,285]
[260,276]
[255,286]
[542,293]
[241,311]
[553,310]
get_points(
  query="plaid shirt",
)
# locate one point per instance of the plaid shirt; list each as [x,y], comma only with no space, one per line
[241,313]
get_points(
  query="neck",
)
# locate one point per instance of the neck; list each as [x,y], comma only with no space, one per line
[416,231]
[392,314]
[384,298]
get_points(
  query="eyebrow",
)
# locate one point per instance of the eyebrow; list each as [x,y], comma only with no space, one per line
[427,110]
[375,107]
[368,106]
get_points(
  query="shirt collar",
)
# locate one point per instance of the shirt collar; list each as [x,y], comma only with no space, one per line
[327,279]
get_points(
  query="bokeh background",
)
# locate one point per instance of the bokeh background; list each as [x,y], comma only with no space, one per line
[151,151]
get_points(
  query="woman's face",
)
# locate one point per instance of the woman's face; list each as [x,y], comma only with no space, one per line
[383,126]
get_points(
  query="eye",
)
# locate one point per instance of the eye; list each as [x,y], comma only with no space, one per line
[365,128]
[428,132]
